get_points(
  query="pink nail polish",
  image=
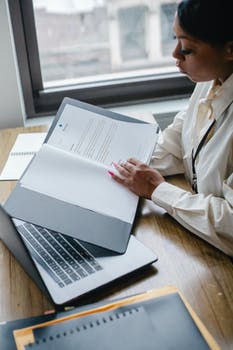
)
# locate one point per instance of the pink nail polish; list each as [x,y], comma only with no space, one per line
[110,173]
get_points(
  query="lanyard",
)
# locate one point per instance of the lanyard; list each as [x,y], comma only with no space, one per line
[194,155]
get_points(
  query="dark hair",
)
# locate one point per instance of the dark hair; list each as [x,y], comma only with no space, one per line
[207,20]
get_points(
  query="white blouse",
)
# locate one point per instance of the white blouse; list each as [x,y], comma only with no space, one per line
[209,213]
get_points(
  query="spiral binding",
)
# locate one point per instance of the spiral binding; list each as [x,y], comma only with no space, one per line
[86,326]
[22,153]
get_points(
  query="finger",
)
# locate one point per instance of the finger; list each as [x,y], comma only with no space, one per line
[116,177]
[128,166]
[134,161]
[121,168]
[123,171]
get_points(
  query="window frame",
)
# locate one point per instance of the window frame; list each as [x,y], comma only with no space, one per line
[40,101]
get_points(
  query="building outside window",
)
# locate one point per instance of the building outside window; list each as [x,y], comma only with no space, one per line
[103,52]
[93,39]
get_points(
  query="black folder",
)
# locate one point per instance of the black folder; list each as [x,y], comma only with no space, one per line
[155,320]
[92,227]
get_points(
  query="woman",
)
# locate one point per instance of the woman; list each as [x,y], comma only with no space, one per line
[199,143]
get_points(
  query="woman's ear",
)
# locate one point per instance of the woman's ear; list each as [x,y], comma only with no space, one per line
[229,50]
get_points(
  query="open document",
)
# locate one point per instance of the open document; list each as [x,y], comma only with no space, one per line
[72,166]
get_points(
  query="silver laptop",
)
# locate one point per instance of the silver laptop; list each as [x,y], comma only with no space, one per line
[64,267]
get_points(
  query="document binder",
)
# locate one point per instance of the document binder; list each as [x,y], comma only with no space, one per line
[64,216]
[156,319]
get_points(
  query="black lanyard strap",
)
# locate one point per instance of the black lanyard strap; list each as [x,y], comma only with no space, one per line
[194,155]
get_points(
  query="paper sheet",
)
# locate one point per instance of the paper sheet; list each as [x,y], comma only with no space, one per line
[102,139]
[65,176]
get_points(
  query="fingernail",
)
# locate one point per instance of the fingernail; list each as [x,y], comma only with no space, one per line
[115,164]
[110,173]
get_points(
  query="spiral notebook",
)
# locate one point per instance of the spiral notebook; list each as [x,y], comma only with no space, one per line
[22,152]
[135,323]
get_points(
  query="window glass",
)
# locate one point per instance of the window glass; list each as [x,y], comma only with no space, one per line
[167,17]
[132,33]
[97,40]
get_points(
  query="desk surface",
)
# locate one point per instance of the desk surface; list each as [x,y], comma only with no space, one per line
[202,273]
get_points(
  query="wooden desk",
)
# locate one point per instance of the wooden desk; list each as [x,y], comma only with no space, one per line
[202,273]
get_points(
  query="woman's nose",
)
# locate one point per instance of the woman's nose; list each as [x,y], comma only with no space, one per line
[177,53]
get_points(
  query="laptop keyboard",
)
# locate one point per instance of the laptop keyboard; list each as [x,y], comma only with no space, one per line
[63,257]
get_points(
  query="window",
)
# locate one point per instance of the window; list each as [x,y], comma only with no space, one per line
[167,15]
[131,23]
[99,51]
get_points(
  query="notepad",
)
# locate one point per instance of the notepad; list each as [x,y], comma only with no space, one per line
[22,152]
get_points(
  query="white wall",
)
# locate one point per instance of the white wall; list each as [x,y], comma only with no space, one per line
[12,112]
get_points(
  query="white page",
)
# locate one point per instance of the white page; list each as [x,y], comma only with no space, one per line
[67,177]
[100,138]
[24,148]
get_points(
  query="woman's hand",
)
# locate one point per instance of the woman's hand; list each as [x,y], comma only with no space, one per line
[137,177]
